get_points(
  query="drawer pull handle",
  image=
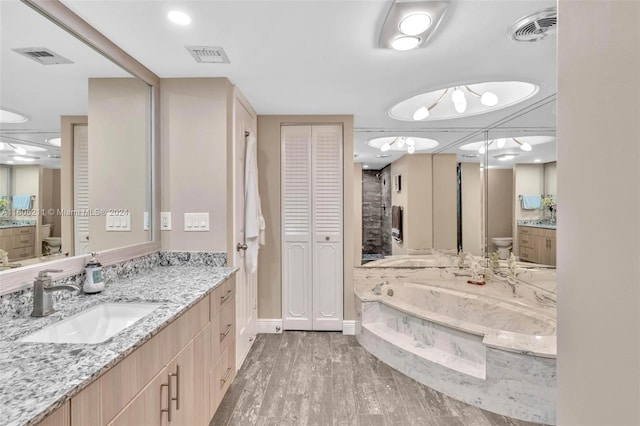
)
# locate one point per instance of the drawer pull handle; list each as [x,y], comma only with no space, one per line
[226,377]
[225,297]
[24,241]
[177,376]
[223,335]
[168,409]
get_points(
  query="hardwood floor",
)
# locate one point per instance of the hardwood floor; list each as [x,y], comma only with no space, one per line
[326,378]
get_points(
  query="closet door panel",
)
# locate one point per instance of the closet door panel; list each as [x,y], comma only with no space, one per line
[297,222]
[327,221]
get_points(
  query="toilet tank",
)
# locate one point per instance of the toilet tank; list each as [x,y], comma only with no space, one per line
[45,230]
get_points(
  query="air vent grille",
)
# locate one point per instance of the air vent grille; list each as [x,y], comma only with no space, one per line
[42,55]
[535,27]
[208,54]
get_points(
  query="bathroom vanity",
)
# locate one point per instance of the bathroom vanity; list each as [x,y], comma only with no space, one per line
[177,361]
[537,243]
[18,238]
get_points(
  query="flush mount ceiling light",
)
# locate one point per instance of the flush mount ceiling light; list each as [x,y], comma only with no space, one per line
[409,144]
[524,143]
[462,100]
[10,117]
[410,25]
[178,17]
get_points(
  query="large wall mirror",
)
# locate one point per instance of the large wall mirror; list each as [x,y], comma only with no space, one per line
[75,145]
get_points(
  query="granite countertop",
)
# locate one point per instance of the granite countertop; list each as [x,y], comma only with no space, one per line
[16,223]
[36,378]
[537,223]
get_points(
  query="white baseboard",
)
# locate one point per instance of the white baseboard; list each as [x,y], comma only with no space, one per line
[269,326]
[349,327]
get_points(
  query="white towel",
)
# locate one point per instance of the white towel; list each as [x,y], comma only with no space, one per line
[254,224]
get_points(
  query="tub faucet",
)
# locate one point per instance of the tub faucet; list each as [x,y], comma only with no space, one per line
[42,289]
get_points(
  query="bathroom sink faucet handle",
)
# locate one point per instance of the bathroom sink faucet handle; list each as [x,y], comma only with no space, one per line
[44,272]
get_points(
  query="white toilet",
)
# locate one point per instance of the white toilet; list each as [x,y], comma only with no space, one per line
[503,245]
[50,245]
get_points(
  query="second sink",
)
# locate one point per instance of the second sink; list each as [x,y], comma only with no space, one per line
[94,325]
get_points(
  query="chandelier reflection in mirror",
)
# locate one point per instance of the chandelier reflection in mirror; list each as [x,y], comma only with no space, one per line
[410,144]
[462,100]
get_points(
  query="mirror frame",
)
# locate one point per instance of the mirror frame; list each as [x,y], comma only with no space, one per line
[59,14]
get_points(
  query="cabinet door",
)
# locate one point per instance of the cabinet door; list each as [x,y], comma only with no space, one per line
[60,417]
[190,385]
[150,407]
[542,247]
[552,251]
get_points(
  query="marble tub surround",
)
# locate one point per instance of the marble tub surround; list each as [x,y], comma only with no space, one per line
[15,223]
[493,346]
[436,260]
[36,378]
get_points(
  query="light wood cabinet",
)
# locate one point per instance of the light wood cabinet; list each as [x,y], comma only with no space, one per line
[59,417]
[178,377]
[537,245]
[19,242]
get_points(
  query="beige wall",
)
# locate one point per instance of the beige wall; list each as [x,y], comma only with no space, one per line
[445,205]
[5,173]
[528,180]
[598,227]
[500,205]
[119,113]
[195,118]
[551,178]
[472,212]
[50,192]
[269,259]
[357,213]
[416,198]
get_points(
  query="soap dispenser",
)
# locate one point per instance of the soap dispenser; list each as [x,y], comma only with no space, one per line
[93,282]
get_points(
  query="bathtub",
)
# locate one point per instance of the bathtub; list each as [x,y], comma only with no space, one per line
[492,346]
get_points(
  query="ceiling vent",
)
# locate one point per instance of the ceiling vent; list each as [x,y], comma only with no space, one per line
[42,55]
[536,26]
[208,54]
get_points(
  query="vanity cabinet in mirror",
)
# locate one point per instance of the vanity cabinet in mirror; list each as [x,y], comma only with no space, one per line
[76,169]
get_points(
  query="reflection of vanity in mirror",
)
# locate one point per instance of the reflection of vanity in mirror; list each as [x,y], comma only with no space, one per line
[69,183]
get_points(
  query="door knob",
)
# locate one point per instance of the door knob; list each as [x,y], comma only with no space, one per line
[241,246]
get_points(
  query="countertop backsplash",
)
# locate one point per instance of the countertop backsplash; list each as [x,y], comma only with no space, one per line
[16,304]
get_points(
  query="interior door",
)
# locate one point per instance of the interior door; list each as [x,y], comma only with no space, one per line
[81,188]
[245,124]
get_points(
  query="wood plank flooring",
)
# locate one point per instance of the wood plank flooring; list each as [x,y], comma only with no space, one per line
[327,378]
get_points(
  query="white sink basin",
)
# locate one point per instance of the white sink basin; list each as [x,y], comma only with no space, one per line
[93,325]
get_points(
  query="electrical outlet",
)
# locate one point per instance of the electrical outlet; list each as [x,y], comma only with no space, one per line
[146,225]
[165,221]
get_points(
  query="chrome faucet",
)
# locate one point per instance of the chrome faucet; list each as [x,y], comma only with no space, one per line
[42,289]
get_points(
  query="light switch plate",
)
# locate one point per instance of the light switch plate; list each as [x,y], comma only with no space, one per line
[165,221]
[196,222]
[118,222]
[146,225]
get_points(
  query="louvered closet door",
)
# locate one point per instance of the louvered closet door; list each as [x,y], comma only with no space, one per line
[327,230]
[296,225]
[312,227]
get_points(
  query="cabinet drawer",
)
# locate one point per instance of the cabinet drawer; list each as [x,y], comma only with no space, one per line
[24,230]
[24,240]
[526,240]
[226,291]
[227,324]
[527,254]
[21,253]
[221,377]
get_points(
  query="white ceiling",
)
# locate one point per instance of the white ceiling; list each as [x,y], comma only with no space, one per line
[321,57]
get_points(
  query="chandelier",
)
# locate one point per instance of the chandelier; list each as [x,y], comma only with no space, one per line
[459,99]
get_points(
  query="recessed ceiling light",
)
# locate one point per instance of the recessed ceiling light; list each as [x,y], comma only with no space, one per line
[8,117]
[537,160]
[415,24]
[365,166]
[405,43]
[506,157]
[9,162]
[178,17]
[55,142]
